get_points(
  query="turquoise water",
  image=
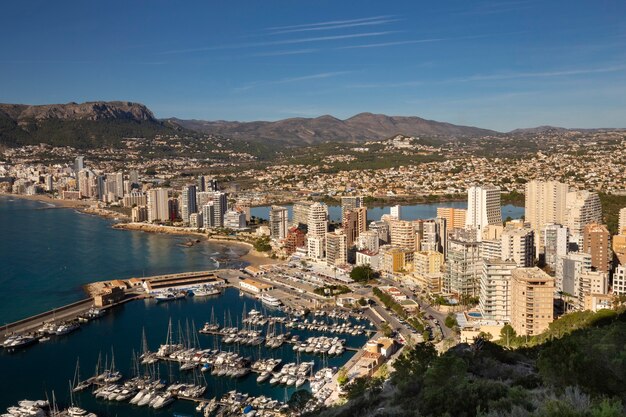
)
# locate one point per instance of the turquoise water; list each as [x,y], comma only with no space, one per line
[47,254]
[49,366]
[412,212]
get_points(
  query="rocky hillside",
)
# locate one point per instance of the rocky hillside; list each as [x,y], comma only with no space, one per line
[90,124]
[362,127]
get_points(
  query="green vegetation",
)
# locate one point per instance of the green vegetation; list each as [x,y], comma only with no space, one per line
[581,374]
[262,244]
[331,290]
[611,204]
[515,198]
[363,273]
[450,321]
[397,308]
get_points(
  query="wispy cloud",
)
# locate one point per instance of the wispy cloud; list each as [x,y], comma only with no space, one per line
[334,27]
[331,23]
[280,42]
[318,76]
[540,74]
[292,52]
[426,40]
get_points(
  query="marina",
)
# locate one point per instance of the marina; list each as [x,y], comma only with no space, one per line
[196,362]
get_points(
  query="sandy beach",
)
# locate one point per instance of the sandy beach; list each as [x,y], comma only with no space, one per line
[48,199]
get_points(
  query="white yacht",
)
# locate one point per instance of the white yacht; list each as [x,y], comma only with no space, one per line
[270,300]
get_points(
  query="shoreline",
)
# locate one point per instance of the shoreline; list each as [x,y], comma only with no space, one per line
[251,256]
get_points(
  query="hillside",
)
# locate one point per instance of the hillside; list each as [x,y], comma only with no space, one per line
[362,127]
[84,125]
[579,372]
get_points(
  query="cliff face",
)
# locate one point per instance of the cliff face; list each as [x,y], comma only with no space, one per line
[95,110]
[81,125]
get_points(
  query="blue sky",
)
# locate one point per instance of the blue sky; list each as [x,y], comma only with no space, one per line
[494,64]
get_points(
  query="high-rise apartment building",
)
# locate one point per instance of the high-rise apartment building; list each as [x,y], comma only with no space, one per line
[568,271]
[220,207]
[396,212]
[208,214]
[555,243]
[455,217]
[369,241]
[483,207]
[317,222]
[234,219]
[350,203]
[189,202]
[619,280]
[532,300]
[463,264]
[79,163]
[382,228]
[518,245]
[157,204]
[583,208]
[403,234]
[336,248]
[301,212]
[495,289]
[591,283]
[545,202]
[597,243]
[427,267]
[278,222]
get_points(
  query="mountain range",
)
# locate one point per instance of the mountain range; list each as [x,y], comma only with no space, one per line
[101,123]
[362,127]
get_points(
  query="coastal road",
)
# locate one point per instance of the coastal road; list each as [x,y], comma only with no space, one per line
[425,307]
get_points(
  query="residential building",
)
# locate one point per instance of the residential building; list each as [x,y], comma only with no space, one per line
[188,202]
[495,289]
[79,163]
[173,209]
[396,212]
[483,207]
[583,208]
[396,259]
[278,222]
[403,234]
[368,240]
[196,220]
[134,198]
[591,283]
[619,280]
[619,247]
[157,204]
[463,264]
[382,228]
[301,212]
[518,245]
[597,243]
[234,219]
[366,257]
[455,217]
[555,243]
[621,224]
[139,214]
[315,247]
[350,203]
[569,268]
[208,213]
[220,207]
[317,222]
[545,203]
[532,300]
[295,239]
[336,248]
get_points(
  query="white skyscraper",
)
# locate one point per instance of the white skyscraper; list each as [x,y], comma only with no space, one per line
[278,222]
[495,292]
[318,220]
[157,204]
[518,245]
[396,211]
[188,203]
[583,208]
[483,207]
[220,206]
[555,243]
